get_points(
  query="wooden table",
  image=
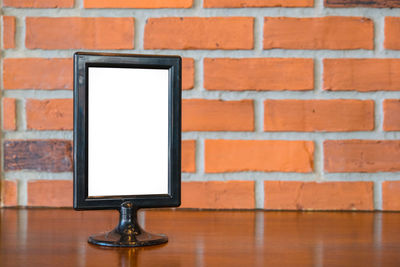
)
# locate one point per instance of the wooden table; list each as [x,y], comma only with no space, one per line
[58,237]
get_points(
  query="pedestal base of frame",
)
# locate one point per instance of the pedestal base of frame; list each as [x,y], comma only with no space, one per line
[128,233]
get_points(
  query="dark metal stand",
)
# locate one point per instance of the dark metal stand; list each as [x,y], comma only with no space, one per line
[128,233]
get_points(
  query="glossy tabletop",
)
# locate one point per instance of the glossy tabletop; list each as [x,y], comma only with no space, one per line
[58,237]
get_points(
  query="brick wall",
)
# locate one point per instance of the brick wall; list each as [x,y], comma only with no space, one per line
[288,104]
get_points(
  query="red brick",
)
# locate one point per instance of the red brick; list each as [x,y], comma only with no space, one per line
[294,195]
[9,193]
[137,4]
[258,155]
[318,33]
[238,74]
[390,195]
[49,114]
[257,3]
[362,3]
[218,195]
[217,115]
[79,33]
[392,32]
[362,155]
[37,73]
[361,74]
[199,33]
[38,155]
[187,73]
[188,156]
[39,3]
[338,115]
[391,109]
[50,193]
[9,114]
[8,32]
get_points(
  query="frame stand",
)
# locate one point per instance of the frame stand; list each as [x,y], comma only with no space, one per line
[128,233]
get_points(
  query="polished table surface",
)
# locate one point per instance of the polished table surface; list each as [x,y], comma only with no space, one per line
[58,237]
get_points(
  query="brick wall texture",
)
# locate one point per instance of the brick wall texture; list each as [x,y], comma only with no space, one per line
[287,104]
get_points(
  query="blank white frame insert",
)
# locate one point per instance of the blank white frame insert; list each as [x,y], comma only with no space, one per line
[127,131]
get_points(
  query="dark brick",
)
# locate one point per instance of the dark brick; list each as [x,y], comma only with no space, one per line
[362,3]
[38,155]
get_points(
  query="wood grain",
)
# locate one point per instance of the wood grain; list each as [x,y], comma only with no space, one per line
[57,237]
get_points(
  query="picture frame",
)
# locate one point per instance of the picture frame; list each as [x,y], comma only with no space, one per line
[90,74]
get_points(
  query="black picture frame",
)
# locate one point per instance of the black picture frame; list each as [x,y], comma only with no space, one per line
[84,60]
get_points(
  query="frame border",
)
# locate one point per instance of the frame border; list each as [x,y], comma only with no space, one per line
[83,60]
